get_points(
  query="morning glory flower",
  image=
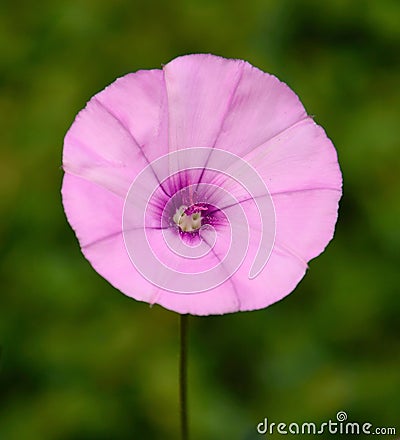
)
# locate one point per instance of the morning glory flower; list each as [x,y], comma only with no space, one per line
[203,186]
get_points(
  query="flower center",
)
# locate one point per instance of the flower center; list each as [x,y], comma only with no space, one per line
[189,218]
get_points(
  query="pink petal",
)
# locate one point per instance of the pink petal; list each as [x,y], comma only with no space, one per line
[302,173]
[300,157]
[93,212]
[139,102]
[280,277]
[110,142]
[120,131]
[200,90]
[96,216]
[305,222]
[261,107]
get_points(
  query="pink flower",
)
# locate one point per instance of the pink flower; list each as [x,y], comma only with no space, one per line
[203,187]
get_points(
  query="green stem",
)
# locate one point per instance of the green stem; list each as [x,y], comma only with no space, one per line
[183,376]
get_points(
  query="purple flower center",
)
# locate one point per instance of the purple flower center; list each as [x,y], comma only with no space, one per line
[190,210]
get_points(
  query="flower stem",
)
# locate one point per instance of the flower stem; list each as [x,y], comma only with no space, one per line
[183,376]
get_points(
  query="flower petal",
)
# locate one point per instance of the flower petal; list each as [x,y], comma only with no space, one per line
[280,277]
[200,89]
[94,213]
[261,107]
[302,173]
[120,131]
[96,216]
[302,157]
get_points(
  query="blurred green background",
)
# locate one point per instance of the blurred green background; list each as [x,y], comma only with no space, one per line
[81,361]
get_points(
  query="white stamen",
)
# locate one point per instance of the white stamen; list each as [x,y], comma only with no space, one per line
[187,223]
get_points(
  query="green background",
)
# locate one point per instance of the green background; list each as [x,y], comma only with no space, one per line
[80,360]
